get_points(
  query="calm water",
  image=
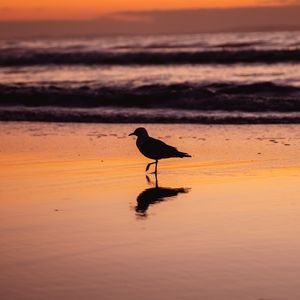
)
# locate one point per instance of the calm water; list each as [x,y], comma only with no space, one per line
[79,219]
[249,72]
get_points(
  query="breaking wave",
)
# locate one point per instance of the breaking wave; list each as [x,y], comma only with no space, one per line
[215,103]
[137,115]
[22,58]
[255,97]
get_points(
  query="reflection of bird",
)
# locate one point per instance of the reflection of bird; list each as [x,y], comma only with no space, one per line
[155,195]
[155,149]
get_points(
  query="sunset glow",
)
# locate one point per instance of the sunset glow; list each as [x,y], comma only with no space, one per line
[13,10]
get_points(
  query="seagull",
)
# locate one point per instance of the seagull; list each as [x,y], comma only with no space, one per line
[155,149]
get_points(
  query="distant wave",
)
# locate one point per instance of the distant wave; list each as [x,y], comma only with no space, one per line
[190,45]
[256,97]
[21,58]
[239,44]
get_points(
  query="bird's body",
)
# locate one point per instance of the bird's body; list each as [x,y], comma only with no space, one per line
[155,149]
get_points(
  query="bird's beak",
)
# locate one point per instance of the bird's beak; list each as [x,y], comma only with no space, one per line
[131,134]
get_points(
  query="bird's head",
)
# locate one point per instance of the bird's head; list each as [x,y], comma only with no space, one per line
[140,132]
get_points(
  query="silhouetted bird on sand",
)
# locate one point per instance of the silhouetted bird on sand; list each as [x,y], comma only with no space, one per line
[155,149]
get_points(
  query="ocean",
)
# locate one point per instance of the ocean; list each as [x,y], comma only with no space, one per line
[232,78]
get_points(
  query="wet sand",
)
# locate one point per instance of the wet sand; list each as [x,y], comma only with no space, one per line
[80,220]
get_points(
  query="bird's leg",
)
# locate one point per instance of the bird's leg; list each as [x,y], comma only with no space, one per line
[148,166]
[156,181]
[156,162]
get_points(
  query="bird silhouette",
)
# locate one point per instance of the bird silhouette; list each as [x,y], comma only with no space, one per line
[155,149]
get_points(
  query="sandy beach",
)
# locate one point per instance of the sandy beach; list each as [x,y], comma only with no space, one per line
[77,222]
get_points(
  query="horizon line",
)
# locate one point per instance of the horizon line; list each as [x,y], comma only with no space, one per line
[153,11]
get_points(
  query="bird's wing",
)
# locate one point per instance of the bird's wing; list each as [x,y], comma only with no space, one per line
[158,149]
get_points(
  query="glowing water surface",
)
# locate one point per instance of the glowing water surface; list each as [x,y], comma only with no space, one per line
[221,225]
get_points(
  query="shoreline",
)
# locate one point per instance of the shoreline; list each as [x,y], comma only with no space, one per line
[121,115]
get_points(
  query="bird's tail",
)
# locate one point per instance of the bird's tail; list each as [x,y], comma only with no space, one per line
[183,154]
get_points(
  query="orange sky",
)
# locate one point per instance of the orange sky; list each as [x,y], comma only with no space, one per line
[79,9]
